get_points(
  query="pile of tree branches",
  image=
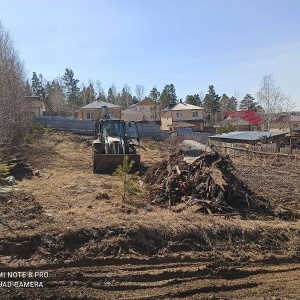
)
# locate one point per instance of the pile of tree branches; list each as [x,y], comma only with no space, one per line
[208,183]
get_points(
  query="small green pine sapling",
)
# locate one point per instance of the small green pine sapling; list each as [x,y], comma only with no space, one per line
[129,182]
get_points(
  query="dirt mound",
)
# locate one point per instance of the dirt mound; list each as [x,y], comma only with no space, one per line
[207,184]
[20,211]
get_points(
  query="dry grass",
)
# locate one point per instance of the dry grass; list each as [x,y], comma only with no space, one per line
[68,191]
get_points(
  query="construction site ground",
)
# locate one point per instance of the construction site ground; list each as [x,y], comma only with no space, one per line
[71,227]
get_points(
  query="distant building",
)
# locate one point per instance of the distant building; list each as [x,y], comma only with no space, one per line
[184,115]
[92,110]
[149,108]
[36,105]
[253,121]
[294,123]
[280,122]
[250,137]
[238,124]
[132,115]
[285,121]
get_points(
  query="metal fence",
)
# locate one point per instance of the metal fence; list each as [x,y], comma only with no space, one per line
[87,127]
[67,124]
[188,132]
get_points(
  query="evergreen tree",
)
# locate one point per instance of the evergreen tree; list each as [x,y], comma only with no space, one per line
[154,95]
[36,86]
[168,96]
[134,100]
[211,103]
[248,103]
[47,101]
[112,94]
[72,91]
[193,99]
[88,94]
[125,97]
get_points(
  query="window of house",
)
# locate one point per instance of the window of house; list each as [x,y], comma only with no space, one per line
[152,116]
[295,125]
[89,116]
[253,128]
[195,114]
[178,115]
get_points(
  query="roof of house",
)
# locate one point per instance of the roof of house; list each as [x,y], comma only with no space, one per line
[234,122]
[146,101]
[247,135]
[248,115]
[183,106]
[99,104]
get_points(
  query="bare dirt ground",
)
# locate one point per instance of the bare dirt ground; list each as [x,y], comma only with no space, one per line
[70,224]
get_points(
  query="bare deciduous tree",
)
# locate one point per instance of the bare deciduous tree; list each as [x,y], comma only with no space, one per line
[57,98]
[140,92]
[101,94]
[14,109]
[272,100]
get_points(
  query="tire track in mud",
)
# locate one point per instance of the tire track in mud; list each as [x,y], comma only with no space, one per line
[164,280]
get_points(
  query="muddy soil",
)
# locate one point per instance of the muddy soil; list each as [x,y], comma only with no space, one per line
[70,225]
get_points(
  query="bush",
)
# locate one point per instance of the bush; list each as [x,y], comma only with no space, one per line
[35,130]
[225,129]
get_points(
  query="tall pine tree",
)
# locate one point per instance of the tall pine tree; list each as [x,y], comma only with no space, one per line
[72,91]
[154,95]
[37,86]
[211,103]
[248,103]
[168,96]
[193,99]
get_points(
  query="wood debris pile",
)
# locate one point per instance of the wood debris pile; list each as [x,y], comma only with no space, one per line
[207,185]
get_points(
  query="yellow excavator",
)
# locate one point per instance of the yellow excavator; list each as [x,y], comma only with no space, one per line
[114,139]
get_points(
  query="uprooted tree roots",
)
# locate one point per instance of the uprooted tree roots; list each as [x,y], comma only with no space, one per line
[208,185]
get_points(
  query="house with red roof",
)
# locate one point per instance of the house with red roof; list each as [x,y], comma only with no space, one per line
[245,120]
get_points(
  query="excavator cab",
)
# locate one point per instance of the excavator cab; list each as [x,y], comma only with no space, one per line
[115,139]
[131,133]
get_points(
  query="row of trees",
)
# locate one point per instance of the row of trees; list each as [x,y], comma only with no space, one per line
[63,96]
[14,116]
[270,102]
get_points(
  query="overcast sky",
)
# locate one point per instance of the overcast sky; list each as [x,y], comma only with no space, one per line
[192,44]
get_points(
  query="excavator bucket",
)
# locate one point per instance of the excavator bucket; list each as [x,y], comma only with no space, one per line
[108,163]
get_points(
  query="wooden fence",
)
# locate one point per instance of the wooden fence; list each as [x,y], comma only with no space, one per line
[264,149]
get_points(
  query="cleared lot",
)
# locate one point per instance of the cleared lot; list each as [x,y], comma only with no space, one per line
[71,223]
